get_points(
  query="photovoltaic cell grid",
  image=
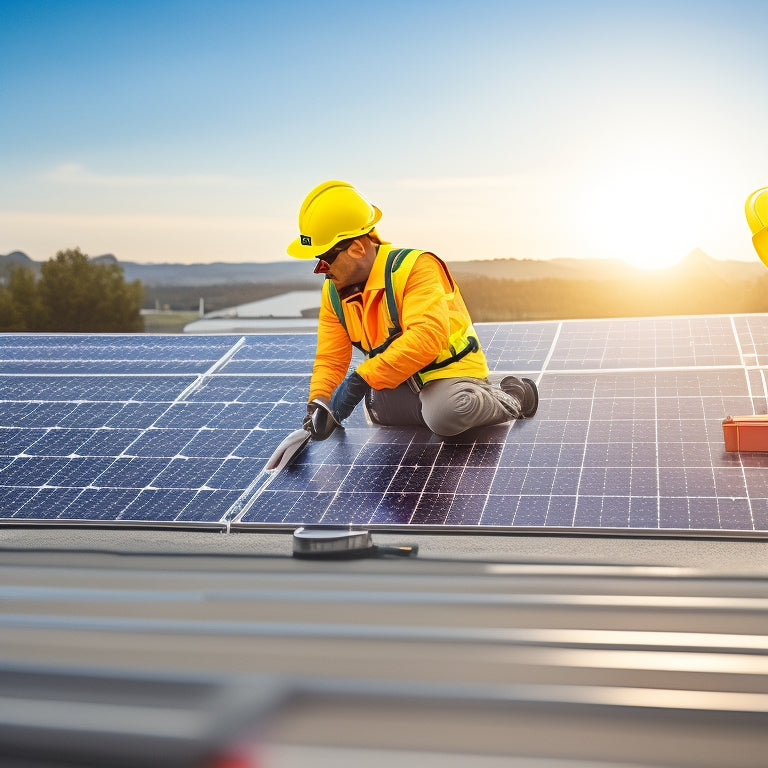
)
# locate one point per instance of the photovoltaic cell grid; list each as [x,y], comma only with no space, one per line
[142,428]
[663,343]
[177,430]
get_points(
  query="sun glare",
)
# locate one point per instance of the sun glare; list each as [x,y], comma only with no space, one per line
[640,214]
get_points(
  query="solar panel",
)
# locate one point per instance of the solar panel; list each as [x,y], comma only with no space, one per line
[176,430]
[646,343]
[135,428]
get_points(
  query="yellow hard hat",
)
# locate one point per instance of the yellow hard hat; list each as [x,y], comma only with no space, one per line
[331,212]
[756,209]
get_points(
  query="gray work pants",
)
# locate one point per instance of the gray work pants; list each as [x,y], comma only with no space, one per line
[445,406]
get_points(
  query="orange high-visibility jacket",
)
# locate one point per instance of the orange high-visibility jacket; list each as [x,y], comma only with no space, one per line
[434,322]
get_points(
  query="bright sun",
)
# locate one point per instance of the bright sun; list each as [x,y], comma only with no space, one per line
[641,213]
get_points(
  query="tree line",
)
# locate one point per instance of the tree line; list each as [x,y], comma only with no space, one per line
[554,299]
[71,294]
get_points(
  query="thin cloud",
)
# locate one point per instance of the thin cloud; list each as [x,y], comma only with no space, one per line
[465,182]
[76,175]
[139,222]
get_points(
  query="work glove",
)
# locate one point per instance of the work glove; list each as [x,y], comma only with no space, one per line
[319,421]
[347,395]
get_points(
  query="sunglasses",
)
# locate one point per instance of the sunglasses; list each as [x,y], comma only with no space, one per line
[330,256]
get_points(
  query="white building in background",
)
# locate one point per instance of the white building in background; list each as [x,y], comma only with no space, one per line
[293,311]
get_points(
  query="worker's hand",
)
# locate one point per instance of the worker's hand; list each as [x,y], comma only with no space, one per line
[319,421]
[347,395]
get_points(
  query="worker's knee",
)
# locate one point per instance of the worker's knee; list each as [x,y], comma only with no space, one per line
[450,411]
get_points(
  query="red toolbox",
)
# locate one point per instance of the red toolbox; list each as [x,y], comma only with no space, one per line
[746,433]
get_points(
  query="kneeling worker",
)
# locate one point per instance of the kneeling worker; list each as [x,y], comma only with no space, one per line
[403,309]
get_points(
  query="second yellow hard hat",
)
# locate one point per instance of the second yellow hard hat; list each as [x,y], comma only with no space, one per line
[756,209]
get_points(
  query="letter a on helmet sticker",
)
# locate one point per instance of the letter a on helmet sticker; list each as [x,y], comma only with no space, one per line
[306,240]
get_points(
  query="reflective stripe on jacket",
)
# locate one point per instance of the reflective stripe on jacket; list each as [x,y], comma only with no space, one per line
[434,327]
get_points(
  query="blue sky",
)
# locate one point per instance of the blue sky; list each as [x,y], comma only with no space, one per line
[191,131]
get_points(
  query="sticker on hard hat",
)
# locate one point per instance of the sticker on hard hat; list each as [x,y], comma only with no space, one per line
[306,240]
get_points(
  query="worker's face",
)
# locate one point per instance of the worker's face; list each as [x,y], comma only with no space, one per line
[350,266]
[328,259]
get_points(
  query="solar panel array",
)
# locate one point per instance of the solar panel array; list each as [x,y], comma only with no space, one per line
[176,430]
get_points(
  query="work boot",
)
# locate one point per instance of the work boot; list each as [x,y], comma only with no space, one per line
[524,391]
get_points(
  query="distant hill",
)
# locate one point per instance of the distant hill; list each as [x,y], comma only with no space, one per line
[16,257]
[539,269]
[217,273]
[295,271]
[604,269]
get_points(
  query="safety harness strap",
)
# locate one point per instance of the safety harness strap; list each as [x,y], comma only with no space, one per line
[473,345]
[333,294]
